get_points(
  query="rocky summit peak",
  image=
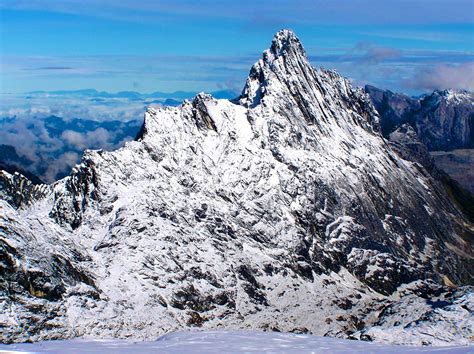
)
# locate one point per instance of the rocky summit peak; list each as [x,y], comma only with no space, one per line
[284,61]
[453,95]
[285,46]
[285,73]
[283,41]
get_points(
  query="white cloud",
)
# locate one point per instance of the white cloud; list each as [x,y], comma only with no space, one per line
[444,77]
[74,139]
[51,153]
[45,105]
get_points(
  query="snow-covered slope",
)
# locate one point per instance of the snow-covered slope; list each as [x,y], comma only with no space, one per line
[282,210]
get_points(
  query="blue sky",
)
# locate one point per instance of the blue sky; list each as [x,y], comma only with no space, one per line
[405,45]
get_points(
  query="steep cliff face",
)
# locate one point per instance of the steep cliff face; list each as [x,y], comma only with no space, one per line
[284,209]
[459,164]
[19,191]
[407,144]
[395,109]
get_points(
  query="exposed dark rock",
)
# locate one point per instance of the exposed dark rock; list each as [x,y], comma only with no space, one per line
[19,191]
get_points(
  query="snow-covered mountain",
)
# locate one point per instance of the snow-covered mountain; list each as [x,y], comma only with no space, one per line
[282,210]
[447,120]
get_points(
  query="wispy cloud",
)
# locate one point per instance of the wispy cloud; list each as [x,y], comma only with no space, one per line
[47,68]
[109,72]
[422,35]
[409,71]
[366,62]
[274,11]
[368,53]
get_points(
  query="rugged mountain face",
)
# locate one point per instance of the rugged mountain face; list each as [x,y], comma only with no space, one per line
[452,170]
[282,210]
[19,191]
[444,120]
[406,143]
[395,109]
[417,128]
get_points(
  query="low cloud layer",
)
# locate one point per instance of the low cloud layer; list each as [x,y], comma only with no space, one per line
[31,106]
[49,155]
[460,77]
[300,11]
[99,138]
[408,71]
[49,146]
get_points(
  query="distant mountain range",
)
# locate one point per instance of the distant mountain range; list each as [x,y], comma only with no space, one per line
[439,130]
[443,120]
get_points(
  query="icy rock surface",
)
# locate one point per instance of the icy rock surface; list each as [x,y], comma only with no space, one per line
[18,191]
[283,210]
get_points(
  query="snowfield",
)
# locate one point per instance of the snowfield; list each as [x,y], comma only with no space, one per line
[225,342]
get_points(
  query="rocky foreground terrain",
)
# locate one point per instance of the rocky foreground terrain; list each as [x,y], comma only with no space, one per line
[283,210]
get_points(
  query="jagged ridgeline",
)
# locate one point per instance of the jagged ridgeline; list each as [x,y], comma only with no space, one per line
[284,209]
